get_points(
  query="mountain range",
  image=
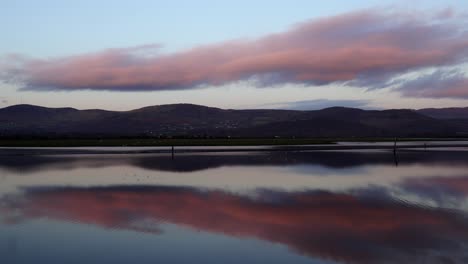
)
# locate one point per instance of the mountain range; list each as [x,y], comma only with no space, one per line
[200,121]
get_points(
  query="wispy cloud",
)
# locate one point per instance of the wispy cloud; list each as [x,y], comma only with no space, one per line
[367,47]
[319,104]
[439,84]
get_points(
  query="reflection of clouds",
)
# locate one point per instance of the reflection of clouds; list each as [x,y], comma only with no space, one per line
[333,171]
[352,228]
[236,178]
[445,191]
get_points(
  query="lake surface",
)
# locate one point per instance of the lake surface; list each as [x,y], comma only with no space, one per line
[366,206]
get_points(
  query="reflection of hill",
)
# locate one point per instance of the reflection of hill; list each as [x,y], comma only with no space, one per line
[353,229]
[196,162]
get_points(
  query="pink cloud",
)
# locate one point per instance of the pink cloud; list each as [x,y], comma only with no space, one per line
[353,47]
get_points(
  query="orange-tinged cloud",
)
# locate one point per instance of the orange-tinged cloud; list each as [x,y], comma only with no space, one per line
[336,226]
[353,47]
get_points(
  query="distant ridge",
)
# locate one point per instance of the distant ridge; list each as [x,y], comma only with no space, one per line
[199,121]
[446,113]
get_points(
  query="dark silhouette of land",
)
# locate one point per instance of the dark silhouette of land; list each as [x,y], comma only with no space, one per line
[195,121]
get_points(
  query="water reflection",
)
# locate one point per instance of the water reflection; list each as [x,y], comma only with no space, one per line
[198,162]
[446,191]
[363,227]
[344,207]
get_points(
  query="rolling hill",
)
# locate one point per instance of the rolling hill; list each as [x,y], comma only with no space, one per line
[195,120]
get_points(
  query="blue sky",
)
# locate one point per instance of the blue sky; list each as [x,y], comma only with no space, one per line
[54,29]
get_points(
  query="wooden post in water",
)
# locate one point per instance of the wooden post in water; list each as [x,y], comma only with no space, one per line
[172,152]
[395,157]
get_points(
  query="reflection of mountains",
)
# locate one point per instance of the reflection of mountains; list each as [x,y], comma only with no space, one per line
[354,229]
[196,162]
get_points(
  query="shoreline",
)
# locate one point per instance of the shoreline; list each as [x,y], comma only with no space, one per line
[343,146]
[207,142]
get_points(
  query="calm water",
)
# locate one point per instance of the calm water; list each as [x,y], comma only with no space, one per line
[279,207]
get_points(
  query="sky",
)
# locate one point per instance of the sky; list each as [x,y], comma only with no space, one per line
[122,55]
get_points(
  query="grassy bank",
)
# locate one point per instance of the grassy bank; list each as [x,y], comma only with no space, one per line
[193,142]
[155,142]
